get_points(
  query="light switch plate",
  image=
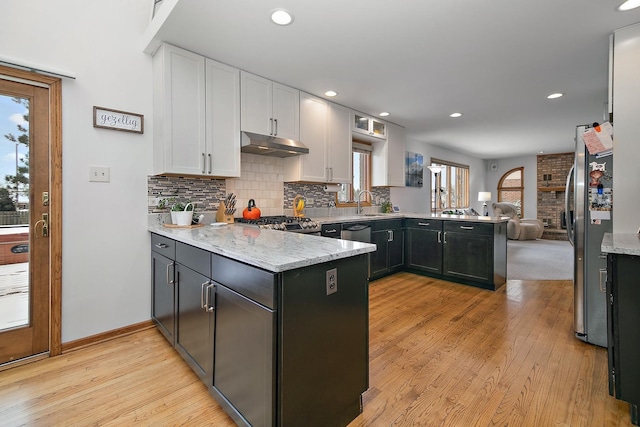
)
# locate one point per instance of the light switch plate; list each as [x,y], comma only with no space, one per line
[99,173]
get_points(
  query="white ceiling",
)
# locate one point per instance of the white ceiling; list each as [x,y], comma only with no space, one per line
[493,60]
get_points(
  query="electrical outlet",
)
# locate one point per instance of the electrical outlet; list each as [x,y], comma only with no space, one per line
[310,201]
[99,173]
[332,281]
[153,201]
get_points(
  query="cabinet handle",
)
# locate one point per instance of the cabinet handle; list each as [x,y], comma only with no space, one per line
[210,308]
[202,296]
[271,127]
[603,271]
[276,122]
[169,281]
[445,237]
[203,164]
[439,236]
[161,245]
[466,227]
[390,236]
[333,230]
[423,223]
[209,163]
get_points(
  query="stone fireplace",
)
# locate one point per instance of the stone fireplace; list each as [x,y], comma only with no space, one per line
[551,180]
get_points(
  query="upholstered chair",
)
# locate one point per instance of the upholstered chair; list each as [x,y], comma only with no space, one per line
[518,229]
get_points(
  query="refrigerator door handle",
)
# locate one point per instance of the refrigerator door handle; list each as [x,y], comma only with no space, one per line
[567,213]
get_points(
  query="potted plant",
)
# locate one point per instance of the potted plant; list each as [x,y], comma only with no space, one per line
[181,213]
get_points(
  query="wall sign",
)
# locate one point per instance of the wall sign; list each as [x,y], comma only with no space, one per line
[117,120]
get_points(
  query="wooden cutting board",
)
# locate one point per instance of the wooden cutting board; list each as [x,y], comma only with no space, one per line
[182,226]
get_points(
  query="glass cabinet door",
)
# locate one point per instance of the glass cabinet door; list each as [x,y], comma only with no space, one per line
[378,128]
[361,122]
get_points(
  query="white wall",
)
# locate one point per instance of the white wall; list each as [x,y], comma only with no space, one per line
[415,199]
[626,140]
[530,164]
[105,269]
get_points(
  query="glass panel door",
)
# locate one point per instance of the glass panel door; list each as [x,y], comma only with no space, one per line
[14,212]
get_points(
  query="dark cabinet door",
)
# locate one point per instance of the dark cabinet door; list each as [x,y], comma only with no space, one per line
[195,323]
[378,260]
[163,295]
[624,335]
[245,356]
[395,246]
[424,246]
[468,256]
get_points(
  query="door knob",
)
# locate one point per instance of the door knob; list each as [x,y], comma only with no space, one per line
[45,225]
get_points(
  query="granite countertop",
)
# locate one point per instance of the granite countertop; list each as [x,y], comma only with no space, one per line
[272,250]
[621,243]
[374,217]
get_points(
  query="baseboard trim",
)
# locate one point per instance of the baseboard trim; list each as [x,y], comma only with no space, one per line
[106,336]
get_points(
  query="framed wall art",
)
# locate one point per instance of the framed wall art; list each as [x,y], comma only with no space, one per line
[107,118]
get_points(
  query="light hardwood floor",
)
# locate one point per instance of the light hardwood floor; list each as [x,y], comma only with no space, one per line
[441,354]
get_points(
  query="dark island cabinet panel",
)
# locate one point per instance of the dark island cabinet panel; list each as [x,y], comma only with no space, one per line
[623,318]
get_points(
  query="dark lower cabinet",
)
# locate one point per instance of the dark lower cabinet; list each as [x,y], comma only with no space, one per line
[245,357]
[163,300]
[195,317]
[468,254]
[424,245]
[623,332]
[473,253]
[388,236]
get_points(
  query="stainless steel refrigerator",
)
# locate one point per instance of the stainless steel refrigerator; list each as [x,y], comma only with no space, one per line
[587,207]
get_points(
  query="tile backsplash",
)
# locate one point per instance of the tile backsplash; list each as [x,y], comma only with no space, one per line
[262,180]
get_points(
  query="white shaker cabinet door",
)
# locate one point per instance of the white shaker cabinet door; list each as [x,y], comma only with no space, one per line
[256,105]
[179,111]
[286,112]
[223,120]
[339,144]
[395,155]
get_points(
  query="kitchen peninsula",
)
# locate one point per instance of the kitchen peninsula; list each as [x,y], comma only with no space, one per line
[274,323]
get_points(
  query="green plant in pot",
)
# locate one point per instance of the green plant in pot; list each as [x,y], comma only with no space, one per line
[181,213]
[387,207]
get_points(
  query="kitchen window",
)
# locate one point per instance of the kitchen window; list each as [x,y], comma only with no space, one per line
[361,177]
[450,188]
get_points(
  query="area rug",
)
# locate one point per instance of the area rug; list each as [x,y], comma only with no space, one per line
[539,260]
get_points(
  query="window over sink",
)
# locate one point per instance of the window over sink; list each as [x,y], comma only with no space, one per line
[361,176]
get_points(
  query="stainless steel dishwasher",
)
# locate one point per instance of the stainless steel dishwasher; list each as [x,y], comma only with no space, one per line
[356,232]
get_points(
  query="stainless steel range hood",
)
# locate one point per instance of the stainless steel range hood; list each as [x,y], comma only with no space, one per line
[265,145]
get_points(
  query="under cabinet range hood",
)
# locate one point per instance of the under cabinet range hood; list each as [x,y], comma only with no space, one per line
[273,146]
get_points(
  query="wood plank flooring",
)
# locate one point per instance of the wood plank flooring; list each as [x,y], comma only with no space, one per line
[441,354]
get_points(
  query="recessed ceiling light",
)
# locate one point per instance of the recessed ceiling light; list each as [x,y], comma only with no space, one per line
[281,17]
[454,115]
[540,152]
[628,5]
[555,95]
[331,93]
[384,114]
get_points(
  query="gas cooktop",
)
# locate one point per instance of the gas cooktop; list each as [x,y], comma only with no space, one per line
[284,223]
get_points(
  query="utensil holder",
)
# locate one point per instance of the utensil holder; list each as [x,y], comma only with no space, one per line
[221,216]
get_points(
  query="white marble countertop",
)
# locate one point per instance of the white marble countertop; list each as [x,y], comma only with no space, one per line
[374,217]
[272,250]
[621,243]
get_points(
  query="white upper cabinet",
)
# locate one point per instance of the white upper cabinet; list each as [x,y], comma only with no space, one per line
[365,125]
[196,115]
[223,119]
[325,130]
[313,133]
[269,108]
[339,145]
[388,159]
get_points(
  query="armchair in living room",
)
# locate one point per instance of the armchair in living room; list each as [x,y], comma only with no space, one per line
[518,229]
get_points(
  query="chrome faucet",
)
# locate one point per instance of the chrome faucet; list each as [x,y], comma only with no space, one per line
[359,209]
